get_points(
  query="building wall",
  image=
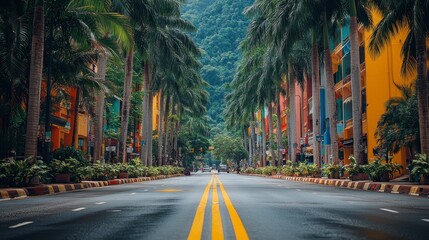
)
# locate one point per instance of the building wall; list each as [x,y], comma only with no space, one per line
[382,72]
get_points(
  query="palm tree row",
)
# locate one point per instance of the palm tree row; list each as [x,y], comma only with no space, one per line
[95,33]
[285,40]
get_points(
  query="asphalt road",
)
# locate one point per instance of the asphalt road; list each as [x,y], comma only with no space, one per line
[225,206]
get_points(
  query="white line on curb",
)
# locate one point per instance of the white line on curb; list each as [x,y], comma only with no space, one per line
[388,210]
[78,209]
[21,224]
[425,220]
[99,203]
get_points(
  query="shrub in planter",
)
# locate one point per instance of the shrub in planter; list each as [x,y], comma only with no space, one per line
[65,153]
[269,170]
[65,171]
[85,173]
[165,170]
[313,170]
[379,172]
[356,171]
[331,170]
[420,168]
[258,170]
[102,172]
[287,170]
[18,173]
[249,170]
[124,170]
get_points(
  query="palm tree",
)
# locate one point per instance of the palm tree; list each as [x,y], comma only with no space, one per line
[365,18]
[35,80]
[414,16]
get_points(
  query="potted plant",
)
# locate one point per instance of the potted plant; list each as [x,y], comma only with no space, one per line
[420,168]
[379,172]
[64,171]
[19,173]
[124,170]
[355,170]
[332,170]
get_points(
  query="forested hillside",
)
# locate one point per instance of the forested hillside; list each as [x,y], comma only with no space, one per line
[221,26]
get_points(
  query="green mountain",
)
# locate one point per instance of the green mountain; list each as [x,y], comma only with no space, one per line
[221,26]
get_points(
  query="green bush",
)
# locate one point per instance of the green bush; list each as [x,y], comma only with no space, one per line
[331,170]
[249,170]
[68,166]
[268,170]
[377,171]
[19,173]
[65,153]
[353,169]
[420,166]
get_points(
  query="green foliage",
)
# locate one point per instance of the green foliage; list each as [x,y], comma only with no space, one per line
[229,148]
[269,170]
[354,168]
[300,169]
[377,171]
[249,170]
[420,166]
[331,170]
[19,173]
[65,153]
[398,126]
[220,27]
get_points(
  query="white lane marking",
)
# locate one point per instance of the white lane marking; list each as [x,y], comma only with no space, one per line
[78,209]
[145,190]
[21,224]
[99,203]
[315,193]
[388,210]
[425,220]
[114,210]
[299,190]
[133,193]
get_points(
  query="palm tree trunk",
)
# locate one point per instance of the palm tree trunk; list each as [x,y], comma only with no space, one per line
[35,80]
[292,116]
[316,98]
[150,127]
[271,132]
[176,135]
[161,113]
[253,136]
[330,93]
[99,112]
[422,91]
[166,128]
[145,116]
[75,124]
[356,85]
[126,106]
[279,129]
[264,140]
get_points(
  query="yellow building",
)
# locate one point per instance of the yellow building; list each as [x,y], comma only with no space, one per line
[378,75]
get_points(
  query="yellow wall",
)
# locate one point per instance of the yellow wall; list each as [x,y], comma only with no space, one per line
[155,111]
[381,73]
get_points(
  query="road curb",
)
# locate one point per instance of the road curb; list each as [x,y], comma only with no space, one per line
[15,193]
[394,188]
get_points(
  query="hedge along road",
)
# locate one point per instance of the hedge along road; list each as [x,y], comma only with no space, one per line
[167,209]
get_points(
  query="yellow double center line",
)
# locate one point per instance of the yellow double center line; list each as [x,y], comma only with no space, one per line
[217,229]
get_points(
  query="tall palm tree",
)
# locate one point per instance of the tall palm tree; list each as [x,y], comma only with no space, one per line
[413,15]
[35,81]
[365,18]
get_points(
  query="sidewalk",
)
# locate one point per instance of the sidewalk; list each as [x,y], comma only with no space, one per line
[17,193]
[412,189]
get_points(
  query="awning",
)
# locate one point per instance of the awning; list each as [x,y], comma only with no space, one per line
[347,100]
[348,142]
[58,121]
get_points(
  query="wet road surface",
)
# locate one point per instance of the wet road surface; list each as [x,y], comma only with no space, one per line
[224,206]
